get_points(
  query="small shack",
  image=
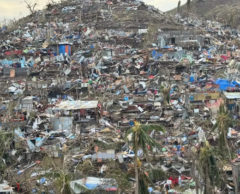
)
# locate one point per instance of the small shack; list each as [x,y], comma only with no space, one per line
[27,103]
[64,48]
[231,99]
[84,109]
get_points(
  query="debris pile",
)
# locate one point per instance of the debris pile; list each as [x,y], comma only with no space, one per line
[114,97]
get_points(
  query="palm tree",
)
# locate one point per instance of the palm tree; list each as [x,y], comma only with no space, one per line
[146,176]
[63,182]
[140,140]
[61,177]
[223,122]
[209,167]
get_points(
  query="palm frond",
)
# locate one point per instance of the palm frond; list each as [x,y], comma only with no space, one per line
[143,186]
[150,128]
[127,133]
[156,174]
[67,189]
[141,138]
[215,127]
[80,187]
[208,160]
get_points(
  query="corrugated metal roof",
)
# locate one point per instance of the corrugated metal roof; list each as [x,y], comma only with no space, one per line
[75,105]
[232,95]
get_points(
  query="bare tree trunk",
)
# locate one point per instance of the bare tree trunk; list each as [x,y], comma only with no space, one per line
[136,165]
[31,7]
[136,173]
[205,182]
[197,187]
[195,178]
[207,187]
[226,142]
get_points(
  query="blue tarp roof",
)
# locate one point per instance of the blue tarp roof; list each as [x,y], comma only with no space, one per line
[224,84]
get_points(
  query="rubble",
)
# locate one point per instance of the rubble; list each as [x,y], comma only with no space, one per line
[94,83]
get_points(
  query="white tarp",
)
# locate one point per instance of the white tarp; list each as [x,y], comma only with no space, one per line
[142,31]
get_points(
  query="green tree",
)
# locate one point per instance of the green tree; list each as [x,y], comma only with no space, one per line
[63,182]
[147,175]
[5,140]
[210,169]
[140,139]
[223,122]
[60,175]
[116,173]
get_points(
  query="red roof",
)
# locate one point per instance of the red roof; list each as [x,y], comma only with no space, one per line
[12,52]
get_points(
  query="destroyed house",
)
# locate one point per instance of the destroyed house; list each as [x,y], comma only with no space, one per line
[176,37]
[85,109]
[232,101]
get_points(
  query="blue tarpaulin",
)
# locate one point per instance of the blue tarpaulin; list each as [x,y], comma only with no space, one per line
[126,98]
[23,62]
[69,37]
[42,180]
[156,55]
[65,48]
[167,47]
[224,84]
[209,50]
[131,123]
[6,62]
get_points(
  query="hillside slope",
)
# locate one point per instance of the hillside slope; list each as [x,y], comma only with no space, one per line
[226,12]
[121,16]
